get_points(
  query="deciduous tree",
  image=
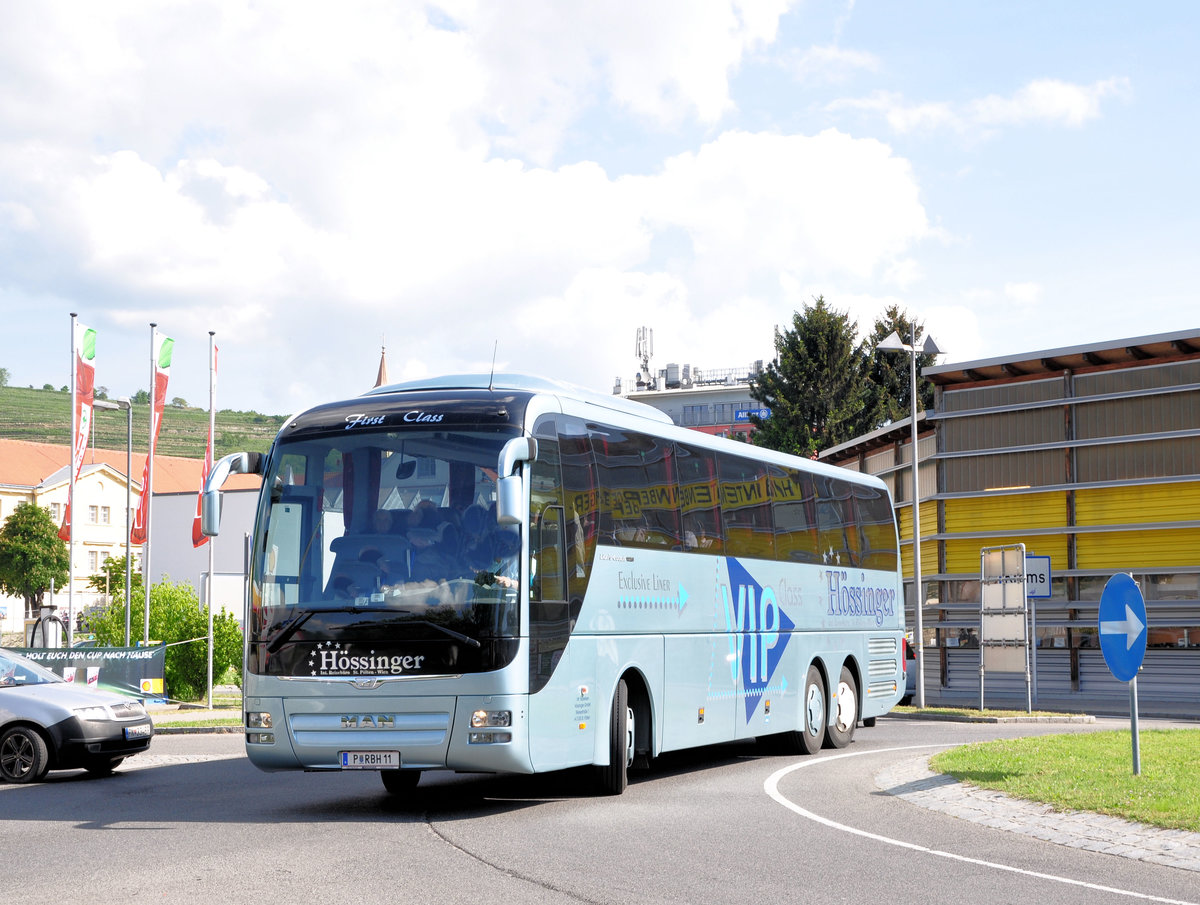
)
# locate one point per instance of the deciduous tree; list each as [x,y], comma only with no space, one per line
[31,556]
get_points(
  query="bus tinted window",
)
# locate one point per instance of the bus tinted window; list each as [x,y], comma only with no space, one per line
[746,508]
[547,589]
[837,534]
[876,528]
[794,506]
[581,499]
[698,499]
[637,488]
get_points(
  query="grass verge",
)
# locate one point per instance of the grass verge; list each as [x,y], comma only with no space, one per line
[1091,772]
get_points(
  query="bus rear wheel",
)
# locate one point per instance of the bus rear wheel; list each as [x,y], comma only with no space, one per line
[815,710]
[845,719]
[614,777]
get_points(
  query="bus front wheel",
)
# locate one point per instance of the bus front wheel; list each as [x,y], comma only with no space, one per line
[614,777]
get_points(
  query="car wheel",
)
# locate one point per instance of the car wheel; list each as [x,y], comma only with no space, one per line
[23,755]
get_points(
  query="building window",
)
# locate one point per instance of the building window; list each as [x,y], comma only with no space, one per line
[93,514]
[105,515]
[56,511]
[93,561]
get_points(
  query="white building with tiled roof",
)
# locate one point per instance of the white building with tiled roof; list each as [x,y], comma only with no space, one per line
[38,473]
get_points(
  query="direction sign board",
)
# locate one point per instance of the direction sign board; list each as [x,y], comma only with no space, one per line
[1037,576]
[1123,627]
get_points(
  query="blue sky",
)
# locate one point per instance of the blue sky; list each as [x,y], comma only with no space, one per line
[449,178]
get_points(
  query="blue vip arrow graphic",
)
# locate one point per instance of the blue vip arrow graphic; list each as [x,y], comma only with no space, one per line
[1131,627]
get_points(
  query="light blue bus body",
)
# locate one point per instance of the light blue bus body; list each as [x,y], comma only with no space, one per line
[596,587]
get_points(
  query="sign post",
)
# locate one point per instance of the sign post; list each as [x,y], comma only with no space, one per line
[1123,642]
[1003,633]
[1037,587]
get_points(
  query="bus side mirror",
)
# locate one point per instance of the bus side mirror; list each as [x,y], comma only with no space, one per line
[510,502]
[210,500]
[210,513]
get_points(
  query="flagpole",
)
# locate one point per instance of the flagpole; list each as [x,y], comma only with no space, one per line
[71,491]
[211,454]
[149,491]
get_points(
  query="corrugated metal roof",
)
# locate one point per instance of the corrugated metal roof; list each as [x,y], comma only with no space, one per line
[1138,350]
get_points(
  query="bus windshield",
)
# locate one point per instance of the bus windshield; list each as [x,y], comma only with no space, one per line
[380,553]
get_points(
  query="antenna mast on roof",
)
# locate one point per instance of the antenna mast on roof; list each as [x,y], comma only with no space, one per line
[492,376]
[644,350]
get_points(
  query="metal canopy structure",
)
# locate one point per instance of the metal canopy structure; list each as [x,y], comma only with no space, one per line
[1136,350]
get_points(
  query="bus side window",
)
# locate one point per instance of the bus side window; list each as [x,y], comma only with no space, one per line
[545,525]
[794,507]
[581,500]
[698,499]
[637,488]
[876,528]
[746,508]
[837,533]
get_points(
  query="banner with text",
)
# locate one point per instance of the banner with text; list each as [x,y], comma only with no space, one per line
[135,671]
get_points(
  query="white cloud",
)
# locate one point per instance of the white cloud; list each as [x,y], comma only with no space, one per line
[830,63]
[1048,101]
[756,203]
[665,62]
[312,187]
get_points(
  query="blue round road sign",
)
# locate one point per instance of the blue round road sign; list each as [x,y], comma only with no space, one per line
[1122,627]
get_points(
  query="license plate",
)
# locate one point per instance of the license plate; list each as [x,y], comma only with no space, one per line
[144,731]
[370,760]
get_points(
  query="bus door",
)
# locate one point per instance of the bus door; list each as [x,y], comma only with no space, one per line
[552,725]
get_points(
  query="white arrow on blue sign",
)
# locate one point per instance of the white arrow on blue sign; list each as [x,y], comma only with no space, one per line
[1123,627]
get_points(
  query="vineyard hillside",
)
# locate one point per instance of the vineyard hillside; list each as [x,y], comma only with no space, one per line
[44,416]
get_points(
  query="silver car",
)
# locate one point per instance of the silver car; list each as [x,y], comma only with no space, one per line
[47,724]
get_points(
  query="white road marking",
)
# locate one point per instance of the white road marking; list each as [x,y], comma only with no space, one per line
[772,788]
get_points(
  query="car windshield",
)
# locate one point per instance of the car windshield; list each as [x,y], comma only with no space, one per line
[16,670]
[383,538]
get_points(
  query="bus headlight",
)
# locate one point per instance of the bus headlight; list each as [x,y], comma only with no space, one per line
[260,738]
[258,720]
[488,719]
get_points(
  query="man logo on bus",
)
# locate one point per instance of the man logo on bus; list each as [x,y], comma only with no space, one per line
[764,629]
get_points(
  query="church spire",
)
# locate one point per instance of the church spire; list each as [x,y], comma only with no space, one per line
[381,379]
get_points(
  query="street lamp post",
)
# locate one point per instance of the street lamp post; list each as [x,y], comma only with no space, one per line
[124,402]
[893,343]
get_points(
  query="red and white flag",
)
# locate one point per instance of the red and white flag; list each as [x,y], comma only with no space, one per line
[164,346]
[198,537]
[84,393]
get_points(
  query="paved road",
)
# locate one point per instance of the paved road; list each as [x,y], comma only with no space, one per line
[194,822]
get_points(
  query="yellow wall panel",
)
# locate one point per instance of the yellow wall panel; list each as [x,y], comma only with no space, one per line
[1010,511]
[929,550]
[1119,550]
[1141,503]
[963,555]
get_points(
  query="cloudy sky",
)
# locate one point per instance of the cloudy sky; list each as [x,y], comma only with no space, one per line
[313,181]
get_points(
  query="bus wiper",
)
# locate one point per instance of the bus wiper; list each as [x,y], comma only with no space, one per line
[282,636]
[466,639]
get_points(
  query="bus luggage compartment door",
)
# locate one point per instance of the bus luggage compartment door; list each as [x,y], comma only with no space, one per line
[417,727]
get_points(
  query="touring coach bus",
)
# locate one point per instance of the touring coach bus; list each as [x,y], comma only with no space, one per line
[507,574]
